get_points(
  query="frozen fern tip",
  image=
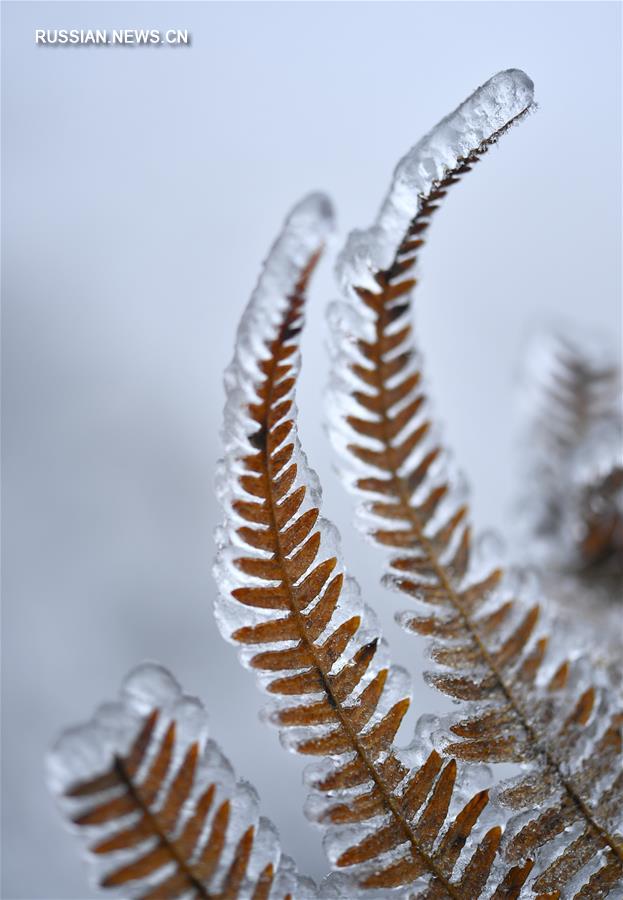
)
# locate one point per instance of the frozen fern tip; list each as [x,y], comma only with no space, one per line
[304,233]
[477,122]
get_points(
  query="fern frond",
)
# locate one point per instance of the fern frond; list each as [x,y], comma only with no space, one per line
[159,806]
[574,437]
[393,818]
[523,706]
[574,415]
[570,522]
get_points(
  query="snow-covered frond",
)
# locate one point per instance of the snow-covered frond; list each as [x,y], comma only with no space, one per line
[394,819]
[498,653]
[571,504]
[158,805]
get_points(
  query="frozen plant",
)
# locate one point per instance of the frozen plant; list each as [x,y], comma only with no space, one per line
[158,804]
[526,700]
[421,821]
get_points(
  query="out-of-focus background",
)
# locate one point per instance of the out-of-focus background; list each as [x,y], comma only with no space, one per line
[142,187]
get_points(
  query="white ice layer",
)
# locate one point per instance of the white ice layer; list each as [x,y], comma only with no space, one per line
[304,233]
[89,750]
[490,108]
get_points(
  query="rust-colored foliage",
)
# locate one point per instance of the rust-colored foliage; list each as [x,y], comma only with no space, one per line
[289,575]
[488,650]
[155,796]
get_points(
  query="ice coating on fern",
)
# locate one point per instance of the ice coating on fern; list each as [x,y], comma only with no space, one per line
[158,806]
[498,102]
[492,646]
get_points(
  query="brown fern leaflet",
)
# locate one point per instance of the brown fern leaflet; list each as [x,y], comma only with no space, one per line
[334,695]
[488,649]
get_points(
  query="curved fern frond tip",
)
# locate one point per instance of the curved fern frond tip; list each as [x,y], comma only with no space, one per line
[424,174]
[525,703]
[158,806]
[393,818]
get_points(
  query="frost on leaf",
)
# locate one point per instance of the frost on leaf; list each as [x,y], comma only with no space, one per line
[524,701]
[393,818]
[158,805]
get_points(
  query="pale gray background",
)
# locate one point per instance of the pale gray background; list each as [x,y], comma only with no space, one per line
[142,187]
